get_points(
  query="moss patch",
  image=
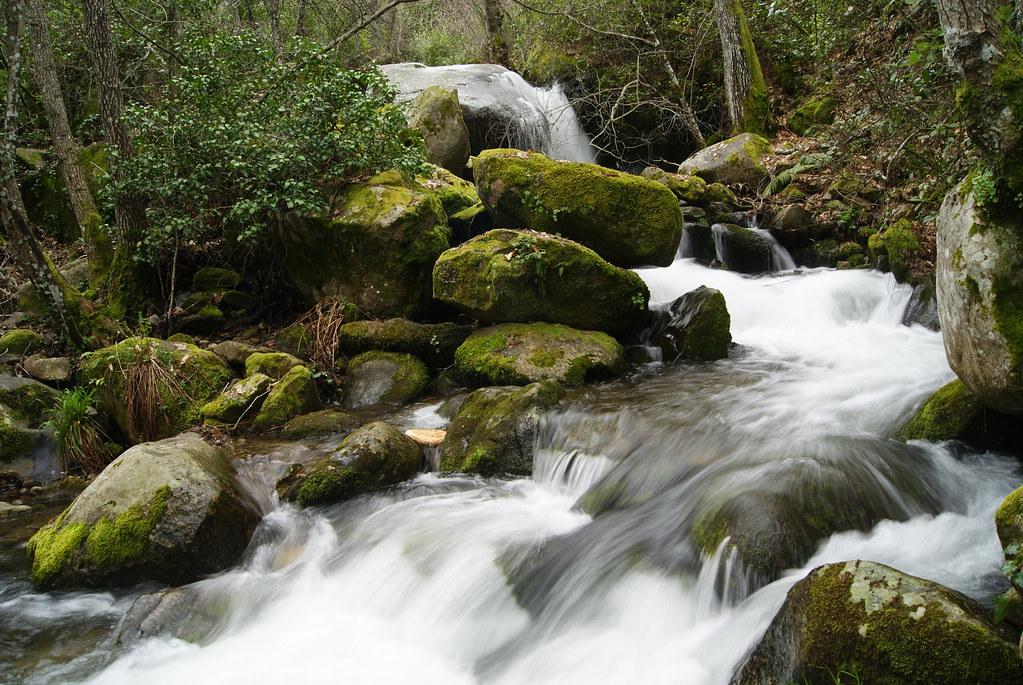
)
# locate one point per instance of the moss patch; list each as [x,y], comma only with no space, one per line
[20,341]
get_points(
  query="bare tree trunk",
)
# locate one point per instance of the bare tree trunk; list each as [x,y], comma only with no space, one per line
[273,12]
[66,148]
[300,18]
[497,46]
[75,315]
[745,88]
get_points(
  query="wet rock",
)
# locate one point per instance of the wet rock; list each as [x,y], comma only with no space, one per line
[524,276]
[8,510]
[375,378]
[1009,520]
[695,326]
[370,459]
[980,300]
[733,161]
[273,364]
[519,354]
[689,189]
[376,249]
[183,379]
[28,400]
[698,242]
[185,613]
[626,219]
[435,344]
[494,431]
[954,413]
[321,423]
[293,395]
[26,451]
[922,308]
[896,243]
[893,627]
[438,116]
[20,341]
[426,437]
[743,249]
[53,370]
[792,226]
[242,398]
[168,511]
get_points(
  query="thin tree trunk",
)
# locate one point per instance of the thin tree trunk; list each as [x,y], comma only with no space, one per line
[300,18]
[273,12]
[44,70]
[745,88]
[497,46]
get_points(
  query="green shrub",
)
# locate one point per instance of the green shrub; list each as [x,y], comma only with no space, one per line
[81,443]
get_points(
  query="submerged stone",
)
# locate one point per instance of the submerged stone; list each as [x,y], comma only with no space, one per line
[695,326]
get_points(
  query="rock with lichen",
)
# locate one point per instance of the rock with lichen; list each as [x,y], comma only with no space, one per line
[242,399]
[436,114]
[434,343]
[170,511]
[384,378]
[738,160]
[293,395]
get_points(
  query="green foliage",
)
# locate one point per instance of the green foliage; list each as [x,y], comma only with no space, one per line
[242,136]
[81,442]
[1013,566]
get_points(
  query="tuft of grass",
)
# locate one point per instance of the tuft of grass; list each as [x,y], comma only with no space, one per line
[81,443]
[322,324]
[148,386]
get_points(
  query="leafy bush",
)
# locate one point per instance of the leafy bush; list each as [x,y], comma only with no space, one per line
[81,442]
[243,135]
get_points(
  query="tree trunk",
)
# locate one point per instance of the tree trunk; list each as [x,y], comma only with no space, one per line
[497,46]
[989,64]
[44,70]
[273,13]
[75,315]
[745,88]
[126,282]
[300,18]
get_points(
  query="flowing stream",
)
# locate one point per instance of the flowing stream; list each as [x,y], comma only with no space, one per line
[459,580]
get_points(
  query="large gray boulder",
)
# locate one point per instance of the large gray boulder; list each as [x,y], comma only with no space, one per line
[736,160]
[980,299]
[170,511]
[437,115]
[893,628]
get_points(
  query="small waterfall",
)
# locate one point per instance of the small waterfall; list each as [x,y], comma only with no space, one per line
[567,138]
[781,260]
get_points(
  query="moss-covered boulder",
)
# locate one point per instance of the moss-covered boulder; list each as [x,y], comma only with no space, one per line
[695,326]
[293,395]
[1009,519]
[376,248]
[817,110]
[689,189]
[16,440]
[522,276]
[372,458]
[899,244]
[152,388]
[980,299]
[792,225]
[955,413]
[436,114]
[519,354]
[169,511]
[890,626]
[456,194]
[434,343]
[375,378]
[20,341]
[28,399]
[321,423]
[213,279]
[236,353]
[743,249]
[733,161]
[626,219]
[273,364]
[241,399]
[494,431]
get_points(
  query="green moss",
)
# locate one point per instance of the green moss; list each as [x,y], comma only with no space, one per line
[320,423]
[272,364]
[15,442]
[181,338]
[435,344]
[456,194]
[1009,519]
[20,341]
[28,401]
[756,107]
[690,189]
[817,110]
[52,548]
[121,541]
[1007,309]
[213,279]
[946,415]
[408,381]
[295,394]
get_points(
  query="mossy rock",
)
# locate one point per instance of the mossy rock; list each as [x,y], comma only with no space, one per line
[436,114]
[519,354]
[628,220]
[817,110]
[28,399]
[242,398]
[893,628]
[695,326]
[294,339]
[689,189]
[955,413]
[899,243]
[456,194]
[273,364]
[854,189]
[184,377]
[494,431]
[738,160]
[375,378]
[435,343]
[522,276]
[16,440]
[209,319]
[293,395]
[182,338]
[236,352]
[376,248]
[212,279]
[20,341]
[169,511]
[743,249]
[372,458]
[1009,519]
[792,226]
[321,423]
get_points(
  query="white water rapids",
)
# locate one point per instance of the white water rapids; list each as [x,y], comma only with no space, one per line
[453,580]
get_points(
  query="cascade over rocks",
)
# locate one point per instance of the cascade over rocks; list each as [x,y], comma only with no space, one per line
[376,249]
[743,249]
[523,276]
[436,114]
[376,378]
[980,299]
[894,627]
[626,219]
[168,511]
[519,354]
[733,161]
[494,431]
[370,459]
[695,326]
